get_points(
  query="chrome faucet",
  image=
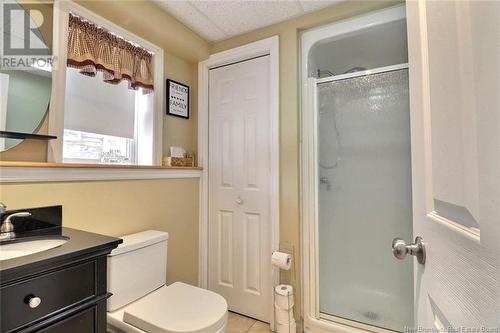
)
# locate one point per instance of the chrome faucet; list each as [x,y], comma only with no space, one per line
[7,228]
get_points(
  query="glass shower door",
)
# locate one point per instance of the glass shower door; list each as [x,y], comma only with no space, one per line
[364,199]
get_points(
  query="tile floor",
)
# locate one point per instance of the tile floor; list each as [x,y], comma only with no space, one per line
[241,324]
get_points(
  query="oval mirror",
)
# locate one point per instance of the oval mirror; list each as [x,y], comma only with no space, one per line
[26,77]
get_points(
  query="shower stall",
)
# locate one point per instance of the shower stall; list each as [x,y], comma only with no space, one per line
[356,170]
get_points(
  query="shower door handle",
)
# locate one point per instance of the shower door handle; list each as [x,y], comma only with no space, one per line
[400,249]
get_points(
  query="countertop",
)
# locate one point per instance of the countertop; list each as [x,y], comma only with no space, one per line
[81,244]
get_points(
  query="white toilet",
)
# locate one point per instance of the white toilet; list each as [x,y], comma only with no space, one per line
[141,300]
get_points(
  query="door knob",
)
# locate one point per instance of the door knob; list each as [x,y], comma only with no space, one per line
[239,201]
[400,249]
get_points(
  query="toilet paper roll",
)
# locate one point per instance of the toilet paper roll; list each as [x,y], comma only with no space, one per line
[283,296]
[283,316]
[281,260]
[287,328]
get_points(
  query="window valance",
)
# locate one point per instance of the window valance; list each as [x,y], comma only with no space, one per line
[92,48]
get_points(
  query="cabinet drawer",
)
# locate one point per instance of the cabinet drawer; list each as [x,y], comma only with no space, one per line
[90,320]
[56,290]
[82,322]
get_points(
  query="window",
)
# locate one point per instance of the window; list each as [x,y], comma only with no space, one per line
[84,147]
[102,122]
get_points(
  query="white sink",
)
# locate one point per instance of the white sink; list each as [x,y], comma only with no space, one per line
[24,248]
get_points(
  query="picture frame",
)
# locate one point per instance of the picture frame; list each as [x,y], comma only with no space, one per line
[178,99]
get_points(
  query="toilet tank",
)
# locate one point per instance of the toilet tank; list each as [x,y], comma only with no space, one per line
[137,267]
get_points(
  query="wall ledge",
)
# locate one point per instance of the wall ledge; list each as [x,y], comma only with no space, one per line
[29,173]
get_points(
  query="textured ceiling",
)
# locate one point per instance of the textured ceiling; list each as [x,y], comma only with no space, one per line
[216,20]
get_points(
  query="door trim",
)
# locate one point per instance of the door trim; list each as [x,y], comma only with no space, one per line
[268,46]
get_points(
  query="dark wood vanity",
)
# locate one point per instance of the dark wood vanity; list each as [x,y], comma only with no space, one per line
[59,290]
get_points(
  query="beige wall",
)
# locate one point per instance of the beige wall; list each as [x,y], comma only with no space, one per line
[120,207]
[183,49]
[288,33]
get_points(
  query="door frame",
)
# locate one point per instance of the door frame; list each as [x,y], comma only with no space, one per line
[268,46]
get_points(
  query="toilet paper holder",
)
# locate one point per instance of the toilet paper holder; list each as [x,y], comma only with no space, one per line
[286,247]
[282,260]
[289,320]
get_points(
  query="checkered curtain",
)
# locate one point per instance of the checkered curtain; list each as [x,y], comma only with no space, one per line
[92,49]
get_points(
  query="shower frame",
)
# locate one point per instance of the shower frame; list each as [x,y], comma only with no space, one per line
[314,320]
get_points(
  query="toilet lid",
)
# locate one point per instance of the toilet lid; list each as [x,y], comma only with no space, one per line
[178,308]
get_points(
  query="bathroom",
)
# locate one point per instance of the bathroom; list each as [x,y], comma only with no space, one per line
[282,180]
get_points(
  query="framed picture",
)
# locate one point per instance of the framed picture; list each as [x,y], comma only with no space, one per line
[177,99]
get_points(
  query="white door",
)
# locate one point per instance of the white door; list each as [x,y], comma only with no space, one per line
[239,266]
[454,52]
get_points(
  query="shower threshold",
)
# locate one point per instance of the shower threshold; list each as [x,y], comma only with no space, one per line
[354,324]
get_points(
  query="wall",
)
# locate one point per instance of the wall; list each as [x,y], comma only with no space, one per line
[121,207]
[288,32]
[172,205]
[183,49]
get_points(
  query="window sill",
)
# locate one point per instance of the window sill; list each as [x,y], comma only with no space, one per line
[19,172]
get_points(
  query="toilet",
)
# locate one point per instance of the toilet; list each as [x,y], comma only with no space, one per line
[142,302]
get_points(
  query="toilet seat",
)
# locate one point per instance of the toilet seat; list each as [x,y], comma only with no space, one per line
[173,309]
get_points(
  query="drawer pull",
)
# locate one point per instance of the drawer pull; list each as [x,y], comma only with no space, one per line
[34,302]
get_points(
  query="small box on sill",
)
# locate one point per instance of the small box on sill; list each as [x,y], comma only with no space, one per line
[179,161]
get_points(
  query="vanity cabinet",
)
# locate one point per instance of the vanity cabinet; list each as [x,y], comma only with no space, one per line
[68,297]
[60,290]
[82,322]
